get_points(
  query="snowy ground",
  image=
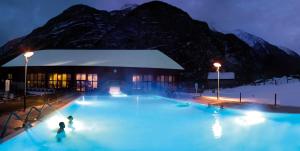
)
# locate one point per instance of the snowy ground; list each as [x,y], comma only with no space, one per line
[288,92]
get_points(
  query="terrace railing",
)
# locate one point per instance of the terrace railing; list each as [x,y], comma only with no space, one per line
[40,111]
[25,122]
[7,121]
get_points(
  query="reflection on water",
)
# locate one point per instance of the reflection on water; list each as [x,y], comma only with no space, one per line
[115,91]
[216,127]
[251,118]
[84,103]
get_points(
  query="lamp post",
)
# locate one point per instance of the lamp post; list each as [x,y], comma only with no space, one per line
[218,65]
[27,55]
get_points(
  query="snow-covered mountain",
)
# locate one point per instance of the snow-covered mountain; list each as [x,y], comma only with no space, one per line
[129,6]
[154,25]
[273,57]
[289,51]
[250,39]
[261,44]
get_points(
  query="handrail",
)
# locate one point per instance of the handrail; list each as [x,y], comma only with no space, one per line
[40,111]
[19,118]
[43,107]
[47,98]
[7,121]
[25,124]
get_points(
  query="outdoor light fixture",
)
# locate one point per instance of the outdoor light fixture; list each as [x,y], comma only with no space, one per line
[27,56]
[218,66]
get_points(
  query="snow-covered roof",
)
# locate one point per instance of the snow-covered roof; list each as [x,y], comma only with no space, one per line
[103,58]
[223,75]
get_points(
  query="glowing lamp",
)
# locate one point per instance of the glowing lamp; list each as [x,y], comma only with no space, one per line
[217,65]
[28,54]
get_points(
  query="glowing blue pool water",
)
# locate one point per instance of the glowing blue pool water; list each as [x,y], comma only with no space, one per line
[152,123]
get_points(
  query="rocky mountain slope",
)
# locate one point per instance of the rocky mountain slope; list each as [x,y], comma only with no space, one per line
[289,51]
[274,60]
[153,25]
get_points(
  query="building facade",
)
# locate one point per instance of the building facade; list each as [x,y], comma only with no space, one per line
[92,70]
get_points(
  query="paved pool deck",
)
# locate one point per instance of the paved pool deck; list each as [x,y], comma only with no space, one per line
[236,104]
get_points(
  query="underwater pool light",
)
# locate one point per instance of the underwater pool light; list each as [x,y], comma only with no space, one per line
[52,123]
[115,91]
[251,118]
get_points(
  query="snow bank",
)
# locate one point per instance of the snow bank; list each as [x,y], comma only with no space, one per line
[288,94]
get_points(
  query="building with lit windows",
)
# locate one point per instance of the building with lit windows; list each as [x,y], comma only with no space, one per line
[89,70]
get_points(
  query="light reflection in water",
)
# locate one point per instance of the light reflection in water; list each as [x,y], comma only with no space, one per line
[251,118]
[84,103]
[217,128]
[137,100]
[137,105]
[115,91]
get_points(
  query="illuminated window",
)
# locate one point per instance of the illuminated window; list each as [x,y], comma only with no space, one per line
[86,81]
[147,82]
[36,80]
[58,80]
[162,78]
[92,81]
[80,81]
[165,81]
[9,76]
[170,79]
[136,81]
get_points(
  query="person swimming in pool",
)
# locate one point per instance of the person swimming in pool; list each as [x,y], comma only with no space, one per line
[70,125]
[61,132]
[70,118]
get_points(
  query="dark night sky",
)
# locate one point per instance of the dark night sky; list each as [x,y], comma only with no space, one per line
[277,21]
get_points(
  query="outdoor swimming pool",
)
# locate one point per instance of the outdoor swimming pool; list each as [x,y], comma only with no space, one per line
[153,123]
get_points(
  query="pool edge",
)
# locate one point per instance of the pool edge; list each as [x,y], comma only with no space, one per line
[16,133]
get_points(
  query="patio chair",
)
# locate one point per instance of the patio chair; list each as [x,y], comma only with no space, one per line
[7,98]
[1,101]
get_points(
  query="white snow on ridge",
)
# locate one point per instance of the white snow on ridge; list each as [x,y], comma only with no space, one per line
[288,94]
[129,6]
[250,39]
[289,51]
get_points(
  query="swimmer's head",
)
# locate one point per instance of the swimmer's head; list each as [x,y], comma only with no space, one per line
[70,118]
[62,125]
